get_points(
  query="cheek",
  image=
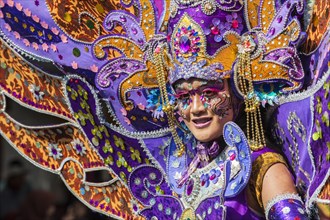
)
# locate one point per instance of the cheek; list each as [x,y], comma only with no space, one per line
[221,105]
[183,111]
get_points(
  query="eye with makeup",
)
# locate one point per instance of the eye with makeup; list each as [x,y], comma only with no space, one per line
[210,92]
[183,97]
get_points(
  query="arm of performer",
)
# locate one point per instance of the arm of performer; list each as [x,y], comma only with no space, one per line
[279,195]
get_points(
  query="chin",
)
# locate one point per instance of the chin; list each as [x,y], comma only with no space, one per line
[207,136]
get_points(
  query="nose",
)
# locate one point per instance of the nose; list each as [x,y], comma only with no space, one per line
[197,106]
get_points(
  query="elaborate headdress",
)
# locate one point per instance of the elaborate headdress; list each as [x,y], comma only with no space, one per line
[103,67]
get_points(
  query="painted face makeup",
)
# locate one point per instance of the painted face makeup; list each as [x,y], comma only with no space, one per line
[205,107]
[211,94]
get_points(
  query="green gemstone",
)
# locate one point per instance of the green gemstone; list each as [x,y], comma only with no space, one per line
[76,52]
[90,24]
[38,145]
[10,70]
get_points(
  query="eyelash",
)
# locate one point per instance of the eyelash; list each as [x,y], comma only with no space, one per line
[210,93]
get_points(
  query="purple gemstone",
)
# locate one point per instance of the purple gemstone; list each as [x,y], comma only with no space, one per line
[78,147]
[190,187]
[288,5]
[136,66]
[140,41]
[185,44]
[272,31]
[212,177]
[123,66]
[122,18]
[279,19]
[54,151]
[134,30]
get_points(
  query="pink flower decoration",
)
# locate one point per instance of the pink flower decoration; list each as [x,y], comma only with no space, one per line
[7,26]
[123,112]
[19,7]
[53,47]
[35,46]
[94,68]
[36,18]
[44,47]
[17,35]
[127,120]
[2,4]
[55,31]
[74,65]
[64,38]
[1,14]
[234,22]
[27,12]
[141,106]
[44,24]
[10,3]
[26,42]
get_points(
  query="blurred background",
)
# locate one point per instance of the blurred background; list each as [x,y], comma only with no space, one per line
[28,192]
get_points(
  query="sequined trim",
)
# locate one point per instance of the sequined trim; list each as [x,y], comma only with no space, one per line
[259,169]
[279,198]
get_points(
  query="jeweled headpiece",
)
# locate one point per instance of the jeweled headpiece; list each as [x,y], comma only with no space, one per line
[203,38]
[210,39]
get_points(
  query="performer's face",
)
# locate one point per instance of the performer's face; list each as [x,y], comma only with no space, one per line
[205,107]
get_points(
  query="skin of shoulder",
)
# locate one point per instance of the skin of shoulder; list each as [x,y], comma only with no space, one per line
[277,181]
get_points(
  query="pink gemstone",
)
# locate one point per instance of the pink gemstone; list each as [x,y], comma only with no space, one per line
[232,157]
[215,30]
[234,24]
[122,18]
[134,30]
[203,182]
[212,177]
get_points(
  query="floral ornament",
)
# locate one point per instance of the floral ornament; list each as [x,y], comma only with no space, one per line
[232,155]
[124,113]
[221,165]
[121,160]
[35,90]
[234,22]
[54,151]
[186,42]
[135,154]
[268,93]
[135,206]
[109,160]
[217,29]
[214,175]
[247,44]
[205,180]
[107,147]
[155,103]
[119,142]
[79,147]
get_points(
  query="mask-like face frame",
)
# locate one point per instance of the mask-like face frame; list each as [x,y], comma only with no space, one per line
[205,106]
